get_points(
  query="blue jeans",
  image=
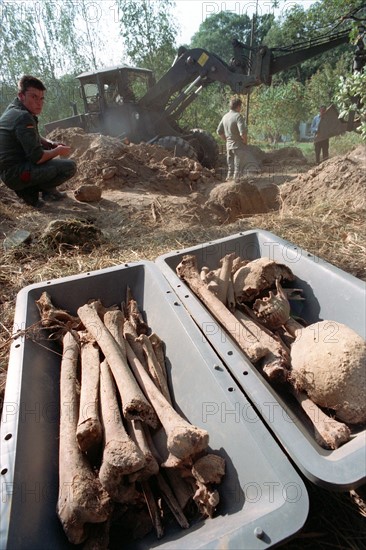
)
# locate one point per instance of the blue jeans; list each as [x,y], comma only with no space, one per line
[29,177]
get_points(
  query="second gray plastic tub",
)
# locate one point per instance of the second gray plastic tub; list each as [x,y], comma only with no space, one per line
[329,293]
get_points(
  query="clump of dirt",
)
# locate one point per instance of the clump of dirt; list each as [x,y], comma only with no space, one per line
[231,200]
[338,179]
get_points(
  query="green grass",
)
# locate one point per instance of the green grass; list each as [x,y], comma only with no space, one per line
[339,145]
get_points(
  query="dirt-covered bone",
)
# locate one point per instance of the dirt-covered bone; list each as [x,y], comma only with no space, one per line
[171,501]
[137,432]
[224,279]
[134,403]
[89,428]
[114,320]
[251,339]
[154,368]
[209,469]
[52,317]
[184,439]
[258,275]
[121,456]
[81,498]
[158,348]
[134,314]
[328,433]
[329,364]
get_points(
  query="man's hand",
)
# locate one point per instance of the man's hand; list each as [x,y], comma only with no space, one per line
[59,150]
[63,150]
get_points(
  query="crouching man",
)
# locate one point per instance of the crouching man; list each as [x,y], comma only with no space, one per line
[28,163]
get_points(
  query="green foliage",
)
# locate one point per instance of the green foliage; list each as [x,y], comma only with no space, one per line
[299,27]
[277,110]
[321,88]
[206,111]
[351,97]
[218,30]
[149,32]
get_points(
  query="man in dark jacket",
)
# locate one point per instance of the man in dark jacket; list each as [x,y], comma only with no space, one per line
[27,160]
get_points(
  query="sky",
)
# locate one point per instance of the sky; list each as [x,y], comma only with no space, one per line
[191,13]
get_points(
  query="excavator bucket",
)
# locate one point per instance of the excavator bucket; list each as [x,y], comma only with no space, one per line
[331,125]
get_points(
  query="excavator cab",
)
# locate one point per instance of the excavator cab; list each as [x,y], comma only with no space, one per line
[110,98]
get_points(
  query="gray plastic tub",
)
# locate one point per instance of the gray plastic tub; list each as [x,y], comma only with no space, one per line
[263,499]
[330,294]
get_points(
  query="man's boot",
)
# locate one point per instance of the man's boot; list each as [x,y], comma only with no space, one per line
[53,195]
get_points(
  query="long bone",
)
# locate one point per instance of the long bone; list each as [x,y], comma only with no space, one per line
[81,497]
[183,439]
[89,428]
[121,456]
[134,403]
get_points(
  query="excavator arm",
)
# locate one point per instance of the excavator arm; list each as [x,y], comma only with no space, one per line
[197,68]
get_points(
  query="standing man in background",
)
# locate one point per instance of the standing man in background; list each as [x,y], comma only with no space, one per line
[321,146]
[233,130]
[27,160]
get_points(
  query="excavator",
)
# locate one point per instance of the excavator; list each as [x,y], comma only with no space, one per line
[126,102]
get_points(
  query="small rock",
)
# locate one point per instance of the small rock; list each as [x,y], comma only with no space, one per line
[17,238]
[194,176]
[88,193]
[179,172]
[109,172]
[168,161]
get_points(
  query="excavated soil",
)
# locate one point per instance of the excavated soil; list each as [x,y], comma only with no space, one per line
[147,184]
[342,178]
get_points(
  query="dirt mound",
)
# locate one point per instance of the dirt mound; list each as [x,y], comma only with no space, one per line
[340,179]
[285,155]
[106,161]
[230,200]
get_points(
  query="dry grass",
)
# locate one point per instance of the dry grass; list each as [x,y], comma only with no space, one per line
[336,520]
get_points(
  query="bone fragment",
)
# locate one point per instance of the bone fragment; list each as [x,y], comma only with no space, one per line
[89,428]
[130,334]
[206,499]
[134,404]
[81,498]
[329,433]
[121,456]
[154,368]
[154,510]
[247,335]
[172,502]
[209,469]
[114,321]
[138,434]
[51,317]
[158,348]
[184,439]
[134,314]
[224,277]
